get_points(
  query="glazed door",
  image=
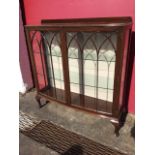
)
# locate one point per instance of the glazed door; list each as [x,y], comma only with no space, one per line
[91,58]
[46,55]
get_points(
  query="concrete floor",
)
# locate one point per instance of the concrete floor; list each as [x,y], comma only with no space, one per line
[91,126]
[28,146]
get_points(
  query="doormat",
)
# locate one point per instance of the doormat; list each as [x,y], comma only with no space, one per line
[61,140]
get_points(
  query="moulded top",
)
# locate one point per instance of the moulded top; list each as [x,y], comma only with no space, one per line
[106,21]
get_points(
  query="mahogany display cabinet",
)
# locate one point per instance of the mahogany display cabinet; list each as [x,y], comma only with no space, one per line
[82,63]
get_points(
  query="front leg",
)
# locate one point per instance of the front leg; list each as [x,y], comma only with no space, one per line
[116,126]
[38,99]
[120,123]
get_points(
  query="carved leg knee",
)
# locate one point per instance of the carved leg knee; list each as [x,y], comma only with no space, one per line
[117,127]
[38,98]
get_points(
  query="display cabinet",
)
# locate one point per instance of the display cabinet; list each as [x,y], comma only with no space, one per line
[82,63]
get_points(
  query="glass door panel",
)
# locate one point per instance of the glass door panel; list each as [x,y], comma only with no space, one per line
[48,61]
[74,74]
[92,59]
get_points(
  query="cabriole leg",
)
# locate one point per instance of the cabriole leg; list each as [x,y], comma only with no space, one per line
[117,127]
[38,99]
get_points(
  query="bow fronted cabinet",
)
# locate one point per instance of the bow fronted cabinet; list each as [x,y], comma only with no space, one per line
[82,63]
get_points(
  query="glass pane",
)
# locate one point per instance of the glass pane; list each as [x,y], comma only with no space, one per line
[92,67]
[90,91]
[54,64]
[110,95]
[109,55]
[102,74]
[74,70]
[57,65]
[90,73]
[102,94]
[39,59]
[59,84]
[111,75]
[106,64]
[75,88]
[74,65]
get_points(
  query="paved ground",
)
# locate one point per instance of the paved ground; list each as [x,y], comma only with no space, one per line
[92,126]
[28,146]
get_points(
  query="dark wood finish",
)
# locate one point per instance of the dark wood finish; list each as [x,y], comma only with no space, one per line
[118,72]
[65,66]
[127,68]
[119,25]
[99,113]
[108,21]
[77,28]
[30,50]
